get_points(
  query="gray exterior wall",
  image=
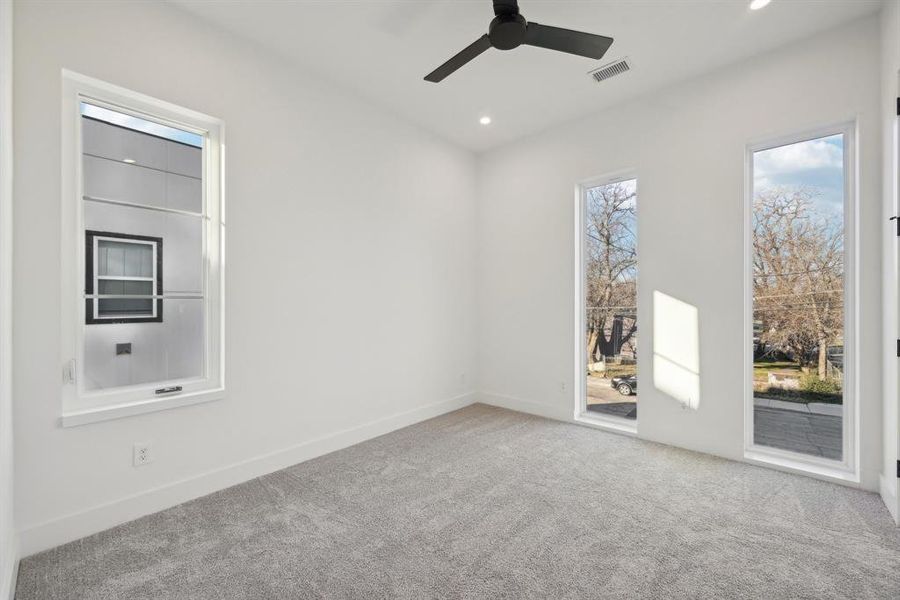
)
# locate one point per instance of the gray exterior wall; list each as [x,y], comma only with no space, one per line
[165,174]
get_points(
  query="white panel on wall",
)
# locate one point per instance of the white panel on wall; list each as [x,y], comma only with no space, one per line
[104,369]
[164,173]
[111,180]
[184,193]
[184,159]
[118,143]
[182,253]
[183,337]
[181,234]
[172,349]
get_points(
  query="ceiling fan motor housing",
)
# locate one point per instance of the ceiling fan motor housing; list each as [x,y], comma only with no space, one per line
[507,31]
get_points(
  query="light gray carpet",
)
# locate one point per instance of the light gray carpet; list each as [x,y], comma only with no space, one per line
[487,503]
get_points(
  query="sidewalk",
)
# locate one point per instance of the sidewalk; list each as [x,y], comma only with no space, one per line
[799,430]
[816,408]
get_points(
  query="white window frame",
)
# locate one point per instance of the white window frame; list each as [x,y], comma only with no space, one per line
[581,414]
[847,469]
[80,406]
[154,279]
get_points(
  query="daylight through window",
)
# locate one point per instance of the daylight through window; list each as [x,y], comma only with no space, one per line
[798,281]
[142,263]
[610,288]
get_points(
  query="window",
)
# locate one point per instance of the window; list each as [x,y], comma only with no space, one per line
[123,278]
[800,402]
[142,270]
[608,329]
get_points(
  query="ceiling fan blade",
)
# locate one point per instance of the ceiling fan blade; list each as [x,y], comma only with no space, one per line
[467,54]
[566,40]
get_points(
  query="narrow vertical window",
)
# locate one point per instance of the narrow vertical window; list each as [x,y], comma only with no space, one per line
[148,235]
[610,298]
[800,299]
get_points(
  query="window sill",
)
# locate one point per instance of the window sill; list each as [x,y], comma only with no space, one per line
[120,411]
[613,424]
[788,461]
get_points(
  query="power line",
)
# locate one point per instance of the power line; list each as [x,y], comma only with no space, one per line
[798,294]
[809,272]
[793,309]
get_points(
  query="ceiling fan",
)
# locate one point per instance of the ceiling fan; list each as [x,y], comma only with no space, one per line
[509,30]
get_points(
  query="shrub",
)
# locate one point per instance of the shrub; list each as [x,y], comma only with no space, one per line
[812,389]
[810,382]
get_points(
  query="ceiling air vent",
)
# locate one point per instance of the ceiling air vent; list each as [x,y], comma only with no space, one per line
[610,70]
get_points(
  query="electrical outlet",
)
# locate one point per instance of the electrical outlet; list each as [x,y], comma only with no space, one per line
[142,454]
[562,386]
[462,379]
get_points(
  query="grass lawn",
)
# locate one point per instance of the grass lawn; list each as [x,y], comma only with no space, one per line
[761,369]
[616,371]
[761,387]
[799,396]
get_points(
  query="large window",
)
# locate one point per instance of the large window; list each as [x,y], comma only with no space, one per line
[801,209]
[143,216]
[609,295]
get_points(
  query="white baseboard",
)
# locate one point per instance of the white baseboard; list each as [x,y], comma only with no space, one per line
[558,413]
[888,491]
[10,570]
[526,406]
[13,577]
[83,523]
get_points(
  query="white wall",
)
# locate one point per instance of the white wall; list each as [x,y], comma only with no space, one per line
[371,221]
[8,541]
[890,90]
[350,269]
[687,145]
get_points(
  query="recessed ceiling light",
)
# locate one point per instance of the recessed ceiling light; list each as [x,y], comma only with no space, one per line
[130,161]
[758,4]
[485,120]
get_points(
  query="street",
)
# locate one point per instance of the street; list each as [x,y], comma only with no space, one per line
[786,427]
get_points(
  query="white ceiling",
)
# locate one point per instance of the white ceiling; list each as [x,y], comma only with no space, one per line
[382,49]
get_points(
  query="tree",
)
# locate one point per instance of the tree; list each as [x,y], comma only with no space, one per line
[798,273]
[611,267]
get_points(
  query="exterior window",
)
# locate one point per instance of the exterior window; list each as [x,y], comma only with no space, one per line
[124,278]
[800,330]
[147,214]
[609,296]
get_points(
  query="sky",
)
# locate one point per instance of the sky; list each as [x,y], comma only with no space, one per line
[630,238]
[143,125]
[630,187]
[816,164]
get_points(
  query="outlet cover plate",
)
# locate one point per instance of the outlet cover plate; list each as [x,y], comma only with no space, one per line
[142,455]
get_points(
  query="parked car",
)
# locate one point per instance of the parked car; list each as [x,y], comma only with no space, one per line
[625,385]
